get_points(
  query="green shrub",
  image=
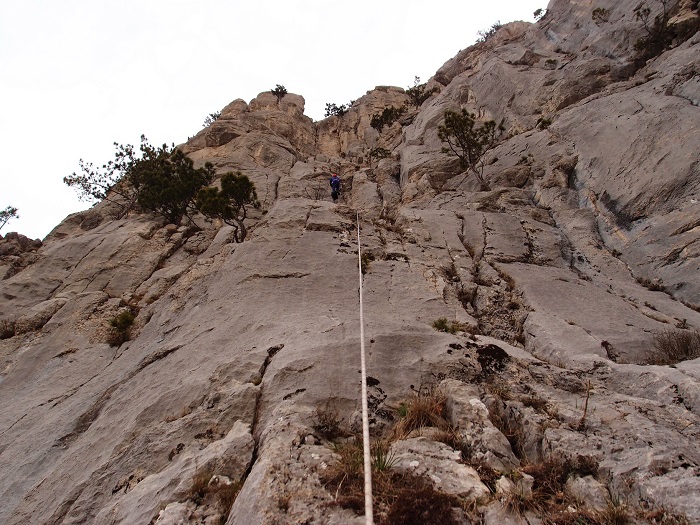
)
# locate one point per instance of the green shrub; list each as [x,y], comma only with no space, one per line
[419,93]
[211,118]
[660,34]
[485,35]
[451,327]
[230,204]
[469,141]
[120,327]
[383,458]
[162,180]
[600,15]
[167,183]
[335,110]
[279,91]
[387,117]
[378,153]
[7,214]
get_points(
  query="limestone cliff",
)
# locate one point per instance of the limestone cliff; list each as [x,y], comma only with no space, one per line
[583,250]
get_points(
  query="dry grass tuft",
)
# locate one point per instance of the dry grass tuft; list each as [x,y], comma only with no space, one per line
[535,402]
[673,346]
[416,502]
[213,490]
[399,499]
[425,409]
[327,422]
[451,327]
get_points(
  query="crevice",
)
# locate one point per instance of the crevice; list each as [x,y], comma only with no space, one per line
[294,394]
[293,275]
[271,352]
[13,424]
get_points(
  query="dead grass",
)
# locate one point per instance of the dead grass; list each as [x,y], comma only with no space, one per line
[425,409]
[548,499]
[214,490]
[466,296]
[416,502]
[327,422]
[539,404]
[451,327]
[399,499]
[499,390]
[660,515]
[654,286]
[673,346]
[450,273]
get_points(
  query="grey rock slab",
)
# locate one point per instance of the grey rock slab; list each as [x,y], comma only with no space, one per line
[421,456]
[39,315]
[600,314]
[365,196]
[588,490]
[468,414]
[138,504]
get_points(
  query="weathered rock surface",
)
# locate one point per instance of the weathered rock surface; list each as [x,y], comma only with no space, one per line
[583,249]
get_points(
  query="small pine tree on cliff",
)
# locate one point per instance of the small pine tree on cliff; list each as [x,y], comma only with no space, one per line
[468,141]
[419,92]
[167,182]
[7,214]
[230,203]
[279,91]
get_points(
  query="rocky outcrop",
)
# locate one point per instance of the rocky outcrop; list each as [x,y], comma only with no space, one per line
[525,317]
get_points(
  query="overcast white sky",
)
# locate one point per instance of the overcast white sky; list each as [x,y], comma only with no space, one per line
[78,75]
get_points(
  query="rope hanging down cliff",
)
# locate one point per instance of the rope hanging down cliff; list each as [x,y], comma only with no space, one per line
[369,518]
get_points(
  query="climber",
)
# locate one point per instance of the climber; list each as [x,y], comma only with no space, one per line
[335,187]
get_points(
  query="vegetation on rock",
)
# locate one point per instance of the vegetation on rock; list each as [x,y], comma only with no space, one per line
[229,204]
[279,91]
[469,141]
[334,110]
[167,182]
[660,34]
[387,117]
[486,34]
[120,330]
[419,93]
[211,118]
[378,153]
[163,180]
[673,346]
[8,214]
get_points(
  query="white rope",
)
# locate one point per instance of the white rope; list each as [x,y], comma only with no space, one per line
[369,515]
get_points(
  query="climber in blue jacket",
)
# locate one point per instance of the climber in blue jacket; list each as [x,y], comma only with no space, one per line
[335,187]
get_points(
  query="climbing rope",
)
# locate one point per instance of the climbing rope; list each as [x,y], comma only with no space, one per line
[369,516]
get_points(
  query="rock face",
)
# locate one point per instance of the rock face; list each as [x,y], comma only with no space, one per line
[552,287]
